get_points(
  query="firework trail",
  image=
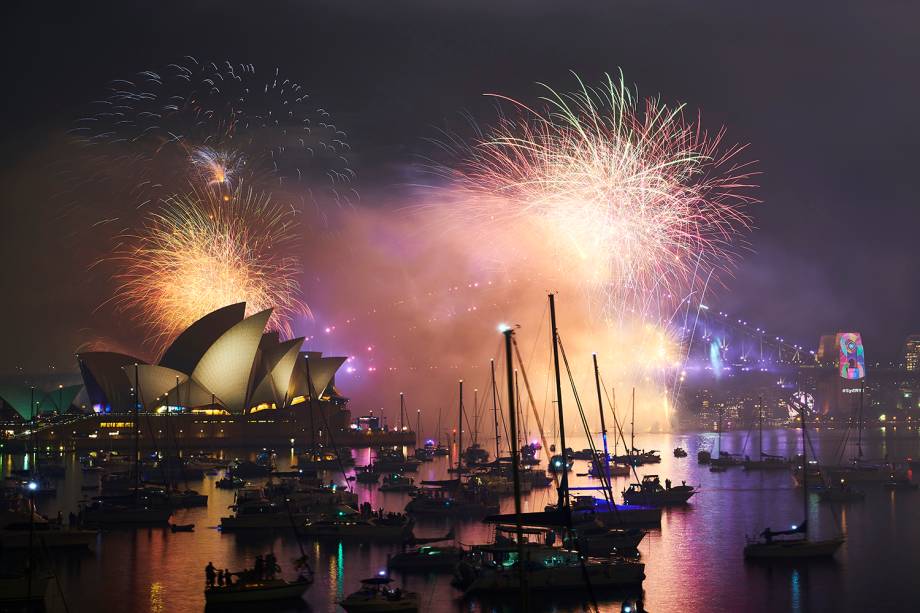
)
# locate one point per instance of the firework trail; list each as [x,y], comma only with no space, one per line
[218,122]
[634,199]
[205,250]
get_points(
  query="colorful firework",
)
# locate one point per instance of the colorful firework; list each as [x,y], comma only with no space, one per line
[638,202]
[193,114]
[205,250]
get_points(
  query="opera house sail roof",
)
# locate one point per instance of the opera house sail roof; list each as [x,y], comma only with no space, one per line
[224,359]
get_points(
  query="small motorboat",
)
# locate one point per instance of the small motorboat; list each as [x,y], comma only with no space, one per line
[182,527]
[680,452]
[703,456]
[375,596]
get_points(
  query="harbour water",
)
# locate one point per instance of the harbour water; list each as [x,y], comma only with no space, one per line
[693,561]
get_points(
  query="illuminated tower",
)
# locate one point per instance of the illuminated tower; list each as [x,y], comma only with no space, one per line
[912,353]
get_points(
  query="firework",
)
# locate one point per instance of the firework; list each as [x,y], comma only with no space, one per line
[215,120]
[638,202]
[205,250]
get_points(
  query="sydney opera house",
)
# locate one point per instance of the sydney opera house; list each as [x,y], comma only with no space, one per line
[225,380]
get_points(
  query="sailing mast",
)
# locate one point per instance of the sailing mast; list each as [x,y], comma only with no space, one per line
[402,411]
[515,469]
[460,435]
[600,408]
[564,481]
[137,451]
[804,409]
[632,425]
[495,411]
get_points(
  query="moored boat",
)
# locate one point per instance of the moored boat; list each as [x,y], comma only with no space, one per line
[376,597]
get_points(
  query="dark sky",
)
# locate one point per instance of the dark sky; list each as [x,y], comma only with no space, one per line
[826,93]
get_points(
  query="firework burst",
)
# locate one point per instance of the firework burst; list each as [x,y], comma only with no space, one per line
[637,201]
[215,120]
[205,250]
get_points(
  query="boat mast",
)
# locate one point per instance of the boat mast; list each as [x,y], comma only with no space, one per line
[418,428]
[460,435]
[600,408]
[632,425]
[137,450]
[515,469]
[402,410]
[804,409]
[495,410]
[564,481]
[760,405]
[310,394]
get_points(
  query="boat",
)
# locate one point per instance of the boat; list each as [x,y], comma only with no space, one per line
[253,511]
[596,539]
[367,474]
[391,528]
[766,461]
[437,501]
[15,531]
[841,492]
[376,597]
[230,482]
[586,509]
[101,512]
[556,464]
[703,456]
[651,492]
[495,568]
[795,542]
[427,558]
[182,527]
[263,590]
[250,470]
[394,482]
[475,454]
[680,452]
[860,471]
[611,470]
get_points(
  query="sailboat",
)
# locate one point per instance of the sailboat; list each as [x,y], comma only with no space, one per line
[522,559]
[766,461]
[794,542]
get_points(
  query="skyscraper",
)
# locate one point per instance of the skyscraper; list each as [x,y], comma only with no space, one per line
[912,353]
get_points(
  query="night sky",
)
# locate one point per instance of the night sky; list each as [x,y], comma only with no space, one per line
[826,93]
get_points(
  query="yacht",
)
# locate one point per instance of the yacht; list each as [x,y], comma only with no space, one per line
[392,529]
[495,568]
[651,492]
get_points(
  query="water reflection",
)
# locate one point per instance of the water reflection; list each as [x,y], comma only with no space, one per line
[694,560]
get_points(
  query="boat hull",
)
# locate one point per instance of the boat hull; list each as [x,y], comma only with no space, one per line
[559,578]
[793,549]
[264,591]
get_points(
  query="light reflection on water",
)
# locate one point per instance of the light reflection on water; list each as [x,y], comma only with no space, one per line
[693,562]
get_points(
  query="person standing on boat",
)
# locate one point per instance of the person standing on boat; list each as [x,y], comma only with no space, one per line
[209,574]
[259,569]
[271,566]
[667,484]
[228,577]
[220,578]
